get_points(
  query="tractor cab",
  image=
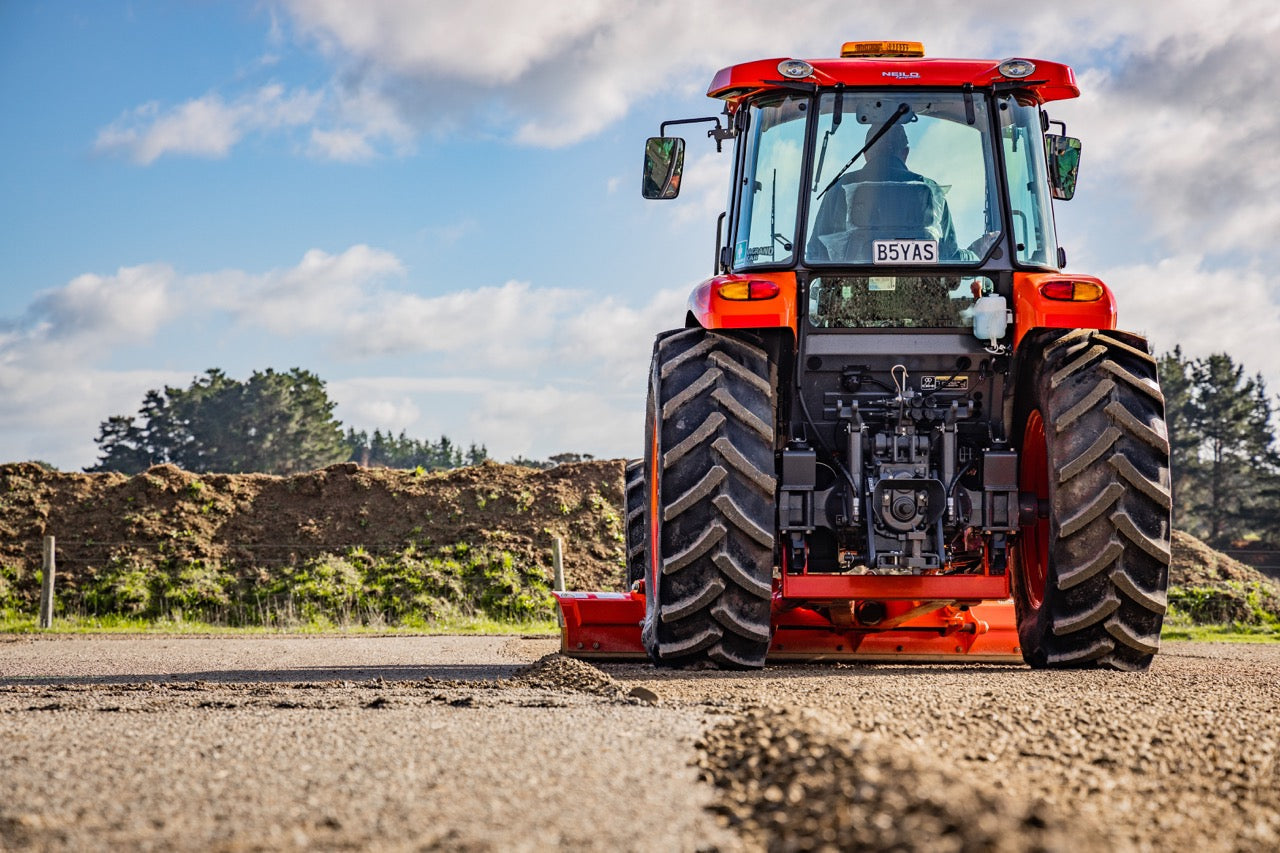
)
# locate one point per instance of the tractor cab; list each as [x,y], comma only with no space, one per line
[882,159]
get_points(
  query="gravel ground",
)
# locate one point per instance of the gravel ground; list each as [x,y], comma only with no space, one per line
[474,743]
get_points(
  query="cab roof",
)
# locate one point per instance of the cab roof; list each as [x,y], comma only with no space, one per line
[1049,81]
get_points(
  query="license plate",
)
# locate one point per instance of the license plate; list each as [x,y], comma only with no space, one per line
[904,251]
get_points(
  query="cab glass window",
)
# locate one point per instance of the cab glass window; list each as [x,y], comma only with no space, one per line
[902,178]
[1034,241]
[895,301]
[770,191]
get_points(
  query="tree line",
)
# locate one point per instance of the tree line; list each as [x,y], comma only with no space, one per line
[383,450]
[272,423]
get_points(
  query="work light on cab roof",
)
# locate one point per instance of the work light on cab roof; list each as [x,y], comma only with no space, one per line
[891,425]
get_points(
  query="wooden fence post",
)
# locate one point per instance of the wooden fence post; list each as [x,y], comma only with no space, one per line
[46,585]
[557,562]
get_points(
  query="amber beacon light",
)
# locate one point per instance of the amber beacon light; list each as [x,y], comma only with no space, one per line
[882,48]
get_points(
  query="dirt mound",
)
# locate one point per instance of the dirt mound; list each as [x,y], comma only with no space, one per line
[374,544]
[794,782]
[557,672]
[255,525]
[1196,564]
[1209,587]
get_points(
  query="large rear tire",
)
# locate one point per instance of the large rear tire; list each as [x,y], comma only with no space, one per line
[1091,579]
[709,465]
[637,496]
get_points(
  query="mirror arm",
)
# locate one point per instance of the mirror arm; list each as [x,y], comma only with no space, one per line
[718,133]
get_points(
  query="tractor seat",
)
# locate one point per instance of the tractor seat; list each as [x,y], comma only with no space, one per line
[899,209]
[873,210]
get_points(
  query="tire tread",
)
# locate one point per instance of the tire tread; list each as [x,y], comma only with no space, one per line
[1110,499]
[712,425]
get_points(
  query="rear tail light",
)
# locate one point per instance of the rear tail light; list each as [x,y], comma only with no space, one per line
[1071,291]
[740,291]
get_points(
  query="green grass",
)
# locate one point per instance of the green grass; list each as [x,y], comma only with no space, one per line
[1231,612]
[454,588]
[12,622]
[1221,633]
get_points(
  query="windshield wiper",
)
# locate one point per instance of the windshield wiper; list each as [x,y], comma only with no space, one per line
[773,217]
[902,110]
[837,113]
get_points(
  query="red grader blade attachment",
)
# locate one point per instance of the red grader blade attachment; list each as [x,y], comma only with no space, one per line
[606,625]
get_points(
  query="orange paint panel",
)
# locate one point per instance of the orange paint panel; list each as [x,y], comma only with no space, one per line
[714,312]
[752,321]
[607,626]
[1031,310]
[894,587]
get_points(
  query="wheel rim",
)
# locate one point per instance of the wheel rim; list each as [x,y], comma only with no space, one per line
[1033,478]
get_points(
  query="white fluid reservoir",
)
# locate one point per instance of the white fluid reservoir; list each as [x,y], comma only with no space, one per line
[990,318]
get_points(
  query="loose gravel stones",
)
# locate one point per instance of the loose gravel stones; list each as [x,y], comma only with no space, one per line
[485,743]
[797,781]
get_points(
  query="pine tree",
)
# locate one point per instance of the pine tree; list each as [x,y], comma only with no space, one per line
[1228,417]
[275,423]
[1184,462]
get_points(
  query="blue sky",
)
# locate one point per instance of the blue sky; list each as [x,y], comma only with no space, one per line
[434,205]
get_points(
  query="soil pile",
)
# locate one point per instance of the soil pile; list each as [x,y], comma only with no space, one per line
[1210,587]
[195,528]
[557,672]
[1196,564]
[379,545]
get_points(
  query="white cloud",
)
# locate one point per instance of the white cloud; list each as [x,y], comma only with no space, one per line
[1180,301]
[704,189]
[93,309]
[207,126]
[391,415]
[564,71]
[499,326]
[320,294]
[53,376]
[617,338]
[1186,123]
[539,420]
[52,408]
[450,39]
[344,144]
[561,71]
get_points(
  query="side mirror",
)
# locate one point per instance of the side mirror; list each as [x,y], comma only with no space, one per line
[1064,163]
[663,162]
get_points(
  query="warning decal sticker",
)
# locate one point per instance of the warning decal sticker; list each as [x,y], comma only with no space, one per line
[944,383]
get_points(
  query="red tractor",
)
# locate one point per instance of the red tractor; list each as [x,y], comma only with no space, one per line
[890,411]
